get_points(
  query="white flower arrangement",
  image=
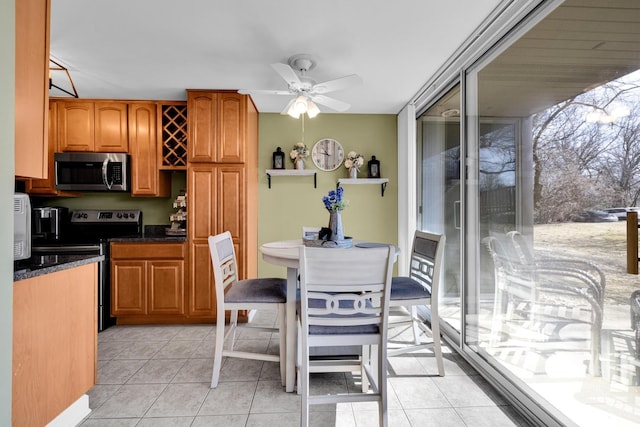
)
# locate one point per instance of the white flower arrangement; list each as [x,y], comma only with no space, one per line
[354,160]
[299,151]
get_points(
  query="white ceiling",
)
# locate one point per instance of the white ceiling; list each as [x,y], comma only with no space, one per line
[155,49]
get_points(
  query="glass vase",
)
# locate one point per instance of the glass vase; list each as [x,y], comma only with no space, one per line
[335,224]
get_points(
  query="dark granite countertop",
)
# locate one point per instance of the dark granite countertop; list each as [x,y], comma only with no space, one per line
[153,233]
[39,265]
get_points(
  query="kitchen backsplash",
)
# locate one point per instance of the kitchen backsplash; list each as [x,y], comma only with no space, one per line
[155,210]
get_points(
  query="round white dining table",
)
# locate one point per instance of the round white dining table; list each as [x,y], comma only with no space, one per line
[286,253]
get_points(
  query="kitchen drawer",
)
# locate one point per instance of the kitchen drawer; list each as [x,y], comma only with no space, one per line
[147,251]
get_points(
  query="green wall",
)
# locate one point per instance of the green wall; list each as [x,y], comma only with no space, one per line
[155,210]
[292,202]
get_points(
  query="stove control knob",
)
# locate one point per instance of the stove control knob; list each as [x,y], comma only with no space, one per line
[119,215]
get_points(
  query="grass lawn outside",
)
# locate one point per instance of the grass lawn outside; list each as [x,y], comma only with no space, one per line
[603,243]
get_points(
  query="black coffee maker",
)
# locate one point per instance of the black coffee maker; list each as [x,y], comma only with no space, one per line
[49,223]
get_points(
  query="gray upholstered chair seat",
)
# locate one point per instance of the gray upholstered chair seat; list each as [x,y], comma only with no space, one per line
[406,288]
[270,290]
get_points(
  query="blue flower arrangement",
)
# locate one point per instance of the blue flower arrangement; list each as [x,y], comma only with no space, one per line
[333,202]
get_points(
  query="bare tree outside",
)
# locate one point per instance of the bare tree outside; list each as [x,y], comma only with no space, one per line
[586,152]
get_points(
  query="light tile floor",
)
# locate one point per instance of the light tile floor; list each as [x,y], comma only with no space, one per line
[160,376]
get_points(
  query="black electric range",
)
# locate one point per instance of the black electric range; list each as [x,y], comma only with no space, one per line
[89,232]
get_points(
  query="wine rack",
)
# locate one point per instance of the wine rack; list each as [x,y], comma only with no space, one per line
[173,119]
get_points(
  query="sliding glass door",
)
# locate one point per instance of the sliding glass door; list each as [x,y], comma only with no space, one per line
[535,289]
[440,196]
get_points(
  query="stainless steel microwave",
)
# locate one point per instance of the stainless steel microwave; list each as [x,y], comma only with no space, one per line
[92,171]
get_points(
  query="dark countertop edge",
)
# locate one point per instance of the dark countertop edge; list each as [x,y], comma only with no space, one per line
[72,261]
[168,239]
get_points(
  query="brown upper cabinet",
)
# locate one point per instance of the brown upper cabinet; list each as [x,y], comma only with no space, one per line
[48,184]
[92,126]
[80,117]
[31,87]
[216,126]
[146,178]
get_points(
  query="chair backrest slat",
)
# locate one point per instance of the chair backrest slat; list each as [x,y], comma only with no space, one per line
[344,287]
[426,261]
[223,260]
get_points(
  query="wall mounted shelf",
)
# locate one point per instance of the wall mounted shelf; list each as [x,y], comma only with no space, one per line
[292,172]
[362,181]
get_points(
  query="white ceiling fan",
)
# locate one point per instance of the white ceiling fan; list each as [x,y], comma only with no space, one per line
[305,90]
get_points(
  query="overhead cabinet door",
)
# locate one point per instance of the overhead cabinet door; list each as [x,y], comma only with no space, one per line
[202,123]
[76,126]
[93,126]
[231,128]
[111,127]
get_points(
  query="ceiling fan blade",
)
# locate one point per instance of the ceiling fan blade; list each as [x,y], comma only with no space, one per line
[263,92]
[287,73]
[332,103]
[337,84]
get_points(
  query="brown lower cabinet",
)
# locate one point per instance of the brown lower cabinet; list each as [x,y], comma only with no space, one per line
[148,282]
[55,324]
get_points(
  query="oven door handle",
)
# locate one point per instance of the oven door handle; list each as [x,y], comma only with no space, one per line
[66,248]
[105,179]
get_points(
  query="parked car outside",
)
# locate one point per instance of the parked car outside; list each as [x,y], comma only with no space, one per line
[594,216]
[621,213]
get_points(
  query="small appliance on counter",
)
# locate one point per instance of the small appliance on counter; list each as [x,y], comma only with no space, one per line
[21,226]
[49,223]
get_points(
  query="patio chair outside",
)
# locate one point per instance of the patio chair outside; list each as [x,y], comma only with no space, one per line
[544,295]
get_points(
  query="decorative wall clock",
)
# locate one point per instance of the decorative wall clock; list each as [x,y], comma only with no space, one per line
[327,154]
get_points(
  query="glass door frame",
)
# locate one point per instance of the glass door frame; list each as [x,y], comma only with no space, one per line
[449,332]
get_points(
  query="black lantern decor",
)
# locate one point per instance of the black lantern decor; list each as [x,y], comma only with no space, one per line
[278,159]
[373,167]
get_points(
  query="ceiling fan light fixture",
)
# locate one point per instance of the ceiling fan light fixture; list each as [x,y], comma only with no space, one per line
[312,109]
[303,105]
[300,104]
[293,113]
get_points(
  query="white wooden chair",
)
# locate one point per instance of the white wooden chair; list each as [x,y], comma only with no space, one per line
[233,294]
[344,301]
[420,288]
